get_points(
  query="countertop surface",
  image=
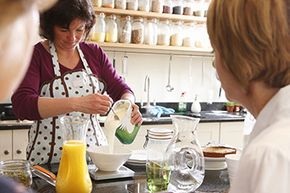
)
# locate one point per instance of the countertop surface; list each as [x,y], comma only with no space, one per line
[205,116]
[216,181]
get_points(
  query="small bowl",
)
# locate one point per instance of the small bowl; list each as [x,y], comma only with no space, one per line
[107,161]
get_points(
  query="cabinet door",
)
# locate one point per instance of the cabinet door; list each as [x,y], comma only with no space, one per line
[208,133]
[232,133]
[20,141]
[5,144]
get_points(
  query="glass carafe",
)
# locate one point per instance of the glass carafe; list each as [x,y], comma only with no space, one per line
[73,175]
[186,159]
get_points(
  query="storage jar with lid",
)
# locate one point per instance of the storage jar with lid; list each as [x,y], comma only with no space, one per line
[187,7]
[177,7]
[111,29]
[19,170]
[167,6]
[163,37]
[143,5]
[198,8]
[120,4]
[157,6]
[132,5]
[138,31]
[108,3]
[151,30]
[157,170]
[188,40]
[176,34]
[97,3]
[125,30]
[205,6]
[99,29]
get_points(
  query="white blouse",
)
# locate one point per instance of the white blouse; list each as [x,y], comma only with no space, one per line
[265,163]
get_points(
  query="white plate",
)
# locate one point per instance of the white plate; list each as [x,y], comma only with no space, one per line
[215,163]
[138,158]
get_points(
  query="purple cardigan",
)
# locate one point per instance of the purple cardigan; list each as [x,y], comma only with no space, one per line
[40,71]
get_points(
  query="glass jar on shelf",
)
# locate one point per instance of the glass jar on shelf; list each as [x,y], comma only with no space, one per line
[198,8]
[125,30]
[177,7]
[176,34]
[97,3]
[163,37]
[144,5]
[201,37]
[108,3]
[120,4]
[151,30]
[138,31]
[111,29]
[205,6]
[157,6]
[132,5]
[99,29]
[187,7]
[167,6]
[188,40]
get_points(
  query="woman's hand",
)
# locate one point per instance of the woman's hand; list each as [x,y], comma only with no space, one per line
[94,104]
[136,117]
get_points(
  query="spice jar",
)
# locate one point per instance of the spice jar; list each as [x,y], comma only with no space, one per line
[99,29]
[151,30]
[97,3]
[111,29]
[143,5]
[132,5]
[176,35]
[163,37]
[157,6]
[188,40]
[157,169]
[19,170]
[167,6]
[198,8]
[125,30]
[187,7]
[108,3]
[205,6]
[138,31]
[120,4]
[177,7]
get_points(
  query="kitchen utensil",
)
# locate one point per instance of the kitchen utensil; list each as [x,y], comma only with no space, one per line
[115,115]
[169,88]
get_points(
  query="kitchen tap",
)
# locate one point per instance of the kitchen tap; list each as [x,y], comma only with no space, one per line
[147,90]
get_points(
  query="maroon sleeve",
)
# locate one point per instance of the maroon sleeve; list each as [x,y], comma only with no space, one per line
[103,68]
[25,98]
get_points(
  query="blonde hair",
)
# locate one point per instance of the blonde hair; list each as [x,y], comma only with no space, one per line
[253,39]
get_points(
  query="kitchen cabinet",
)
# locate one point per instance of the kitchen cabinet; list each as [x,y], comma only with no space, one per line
[13,144]
[231,133]
[136,48]
[208,133]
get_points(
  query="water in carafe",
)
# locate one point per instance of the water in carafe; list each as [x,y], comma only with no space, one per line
[186,159]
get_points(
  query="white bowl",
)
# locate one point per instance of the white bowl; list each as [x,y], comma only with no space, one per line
[107,161]
[232,161]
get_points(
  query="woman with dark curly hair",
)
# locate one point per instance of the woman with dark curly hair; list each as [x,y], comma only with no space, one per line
[67,76]
[251,39]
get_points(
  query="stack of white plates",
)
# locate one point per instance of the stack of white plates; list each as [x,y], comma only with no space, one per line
[212,163]
[138,158]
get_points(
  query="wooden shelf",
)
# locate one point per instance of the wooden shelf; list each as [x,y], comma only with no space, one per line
[144,14]
[143,48]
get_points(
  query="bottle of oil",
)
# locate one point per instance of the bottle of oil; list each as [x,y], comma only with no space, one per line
[182,103]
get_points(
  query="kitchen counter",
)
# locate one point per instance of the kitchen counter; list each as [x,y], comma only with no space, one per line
[215,181]
[205,116]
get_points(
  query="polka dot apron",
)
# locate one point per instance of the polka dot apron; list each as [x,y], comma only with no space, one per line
[45,136]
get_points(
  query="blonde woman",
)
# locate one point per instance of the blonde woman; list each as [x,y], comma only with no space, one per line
[252,59]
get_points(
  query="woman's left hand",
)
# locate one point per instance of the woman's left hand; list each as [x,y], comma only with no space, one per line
[136,117]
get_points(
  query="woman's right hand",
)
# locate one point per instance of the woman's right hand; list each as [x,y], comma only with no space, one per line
[93,104]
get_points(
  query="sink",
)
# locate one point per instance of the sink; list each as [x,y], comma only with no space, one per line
[223,114]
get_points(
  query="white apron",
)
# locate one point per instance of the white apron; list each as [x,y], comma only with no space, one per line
[45,136]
